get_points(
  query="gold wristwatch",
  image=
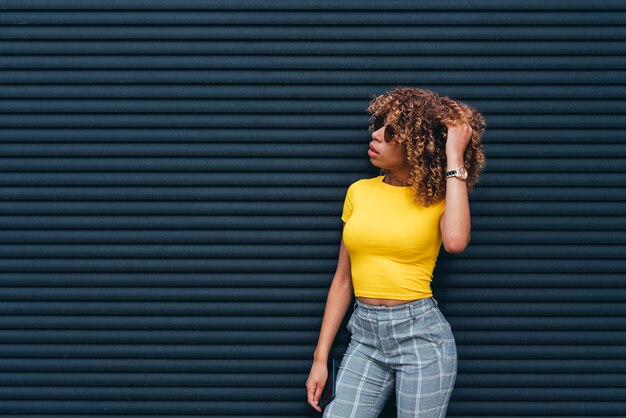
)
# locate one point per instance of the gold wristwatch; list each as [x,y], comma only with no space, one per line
[458,172]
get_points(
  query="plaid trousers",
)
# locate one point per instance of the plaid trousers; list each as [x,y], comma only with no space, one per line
[409,347]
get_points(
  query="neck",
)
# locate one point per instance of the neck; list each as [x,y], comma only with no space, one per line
[396,179]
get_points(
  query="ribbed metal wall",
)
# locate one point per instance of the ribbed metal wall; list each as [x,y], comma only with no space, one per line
[172,177]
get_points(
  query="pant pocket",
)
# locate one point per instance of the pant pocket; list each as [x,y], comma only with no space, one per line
[351,322]
[440,333]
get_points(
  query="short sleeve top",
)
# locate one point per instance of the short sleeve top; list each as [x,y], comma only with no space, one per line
[392,241]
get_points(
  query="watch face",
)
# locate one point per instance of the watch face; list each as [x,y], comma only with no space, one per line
[463,172]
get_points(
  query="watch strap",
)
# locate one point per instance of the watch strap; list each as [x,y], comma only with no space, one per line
[455,172]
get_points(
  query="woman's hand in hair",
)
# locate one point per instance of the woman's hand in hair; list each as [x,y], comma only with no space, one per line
[458,138]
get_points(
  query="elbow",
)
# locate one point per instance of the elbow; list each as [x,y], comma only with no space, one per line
[456,245]
[343,280]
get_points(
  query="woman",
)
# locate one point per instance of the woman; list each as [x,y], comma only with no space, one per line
[430,154]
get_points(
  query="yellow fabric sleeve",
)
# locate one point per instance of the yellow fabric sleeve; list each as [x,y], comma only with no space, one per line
[347,205]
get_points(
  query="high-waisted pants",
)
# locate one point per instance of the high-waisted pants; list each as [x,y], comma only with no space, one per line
[409,347]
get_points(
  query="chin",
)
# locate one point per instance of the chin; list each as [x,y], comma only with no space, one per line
[376,163]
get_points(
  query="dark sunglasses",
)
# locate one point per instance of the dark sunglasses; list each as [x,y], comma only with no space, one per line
[389,131]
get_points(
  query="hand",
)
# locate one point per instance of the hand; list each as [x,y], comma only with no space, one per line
[458,138]
[315,384]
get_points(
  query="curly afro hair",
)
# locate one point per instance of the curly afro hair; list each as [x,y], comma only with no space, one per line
[419,118]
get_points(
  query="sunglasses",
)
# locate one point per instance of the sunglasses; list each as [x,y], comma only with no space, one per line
[389,132]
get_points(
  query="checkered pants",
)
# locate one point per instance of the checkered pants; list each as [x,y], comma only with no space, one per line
[410,347]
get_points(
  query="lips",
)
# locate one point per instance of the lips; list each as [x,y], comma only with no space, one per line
[374,149]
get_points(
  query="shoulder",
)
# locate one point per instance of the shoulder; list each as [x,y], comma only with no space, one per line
[363,183]
[359,190]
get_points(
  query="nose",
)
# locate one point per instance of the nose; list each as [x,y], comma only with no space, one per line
[378,135]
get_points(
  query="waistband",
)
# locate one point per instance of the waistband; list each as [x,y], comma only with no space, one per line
[405,310]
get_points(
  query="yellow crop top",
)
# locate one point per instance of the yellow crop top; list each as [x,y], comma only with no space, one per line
[393,242]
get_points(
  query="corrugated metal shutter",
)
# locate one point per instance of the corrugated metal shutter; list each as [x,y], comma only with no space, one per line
[172,181]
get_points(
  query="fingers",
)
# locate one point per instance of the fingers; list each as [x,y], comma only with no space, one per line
[460,126]
[318,394]
[313,395]
[464,130]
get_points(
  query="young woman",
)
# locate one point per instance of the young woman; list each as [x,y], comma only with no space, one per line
[429,150]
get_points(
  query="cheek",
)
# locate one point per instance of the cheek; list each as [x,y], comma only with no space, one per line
[398,152]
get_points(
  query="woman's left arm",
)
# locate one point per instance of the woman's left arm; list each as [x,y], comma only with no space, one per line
[455,221]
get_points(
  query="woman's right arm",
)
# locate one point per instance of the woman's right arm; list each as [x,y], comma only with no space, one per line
[337,304]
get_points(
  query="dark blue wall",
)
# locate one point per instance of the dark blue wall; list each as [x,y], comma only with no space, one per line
[172,176]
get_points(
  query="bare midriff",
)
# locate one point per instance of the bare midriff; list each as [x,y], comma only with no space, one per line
[383,302]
